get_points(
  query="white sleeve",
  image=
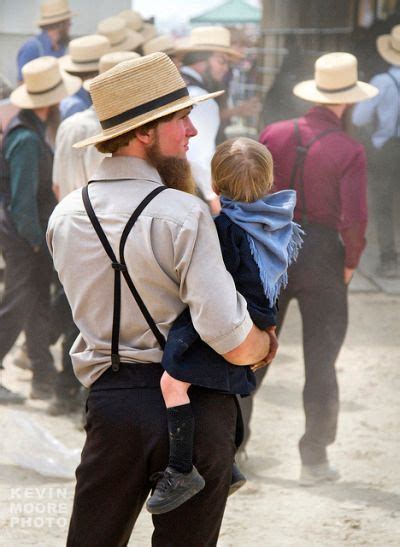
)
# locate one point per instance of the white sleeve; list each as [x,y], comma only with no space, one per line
[205,118]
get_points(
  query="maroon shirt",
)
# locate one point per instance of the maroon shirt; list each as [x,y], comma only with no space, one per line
[335,182]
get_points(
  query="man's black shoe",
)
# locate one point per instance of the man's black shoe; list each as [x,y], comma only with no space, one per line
[9,397]
[238,480]
[174,488]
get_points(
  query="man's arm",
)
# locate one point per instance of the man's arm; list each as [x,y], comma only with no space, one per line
[254,349]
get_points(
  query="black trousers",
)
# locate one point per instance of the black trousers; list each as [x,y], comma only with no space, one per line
[25,305]
[316,281]
[127,441]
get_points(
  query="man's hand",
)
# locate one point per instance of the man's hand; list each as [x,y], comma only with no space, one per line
[273,348]
[215,206]
[348,274]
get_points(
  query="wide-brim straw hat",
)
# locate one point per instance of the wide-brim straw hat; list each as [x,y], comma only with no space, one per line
[120,36]
[44,84]
[213,39]
[335,82]
[148,31]
[164,43]
[110,60]
[85,53]
[133,19]
[136,92]
[388,46]
[54,11]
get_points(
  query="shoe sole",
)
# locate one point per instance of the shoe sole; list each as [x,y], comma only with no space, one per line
[160,509]
[235,486]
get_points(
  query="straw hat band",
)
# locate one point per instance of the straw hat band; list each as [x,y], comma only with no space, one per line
[338,90]
[145,108]
[45,90]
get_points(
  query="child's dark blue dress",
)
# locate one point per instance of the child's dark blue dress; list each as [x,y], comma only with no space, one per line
[186,356]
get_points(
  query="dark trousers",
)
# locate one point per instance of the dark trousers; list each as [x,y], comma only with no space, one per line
[127,441]
[316,281]
[26,306]
[384,184]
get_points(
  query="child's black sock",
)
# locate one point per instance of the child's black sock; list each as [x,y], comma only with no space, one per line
[181,432]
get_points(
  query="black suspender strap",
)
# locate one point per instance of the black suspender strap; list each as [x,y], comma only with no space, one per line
[120,267]
[397,84]
[298,167]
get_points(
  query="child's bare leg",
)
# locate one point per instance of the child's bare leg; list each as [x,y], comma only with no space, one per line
[174,391]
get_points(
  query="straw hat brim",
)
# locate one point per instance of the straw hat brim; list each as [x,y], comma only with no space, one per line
[132,41]
[148,31]
[56,19]
[309,92]
[233,54]
[138,121]
[386,51]
[23,99]
[68,64]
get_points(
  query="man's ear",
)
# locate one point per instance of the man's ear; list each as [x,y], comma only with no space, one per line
[145,136]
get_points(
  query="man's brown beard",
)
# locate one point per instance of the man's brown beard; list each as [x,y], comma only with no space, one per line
[174,172]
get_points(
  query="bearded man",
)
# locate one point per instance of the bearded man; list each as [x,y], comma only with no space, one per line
[54,22]
[158,244]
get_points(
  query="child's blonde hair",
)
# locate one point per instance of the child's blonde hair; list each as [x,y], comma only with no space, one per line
[242,169]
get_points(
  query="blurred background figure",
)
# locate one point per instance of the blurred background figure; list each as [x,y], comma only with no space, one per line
[383,114]
[27,201]
[205,63]
[54,22]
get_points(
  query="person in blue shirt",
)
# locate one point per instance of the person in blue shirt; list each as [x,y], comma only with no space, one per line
[258,241]
[383,113]
[54,22]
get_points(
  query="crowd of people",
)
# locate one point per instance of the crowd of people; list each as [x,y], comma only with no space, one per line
[167,314]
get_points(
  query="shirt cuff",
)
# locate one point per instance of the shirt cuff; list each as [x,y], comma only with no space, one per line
[233,339]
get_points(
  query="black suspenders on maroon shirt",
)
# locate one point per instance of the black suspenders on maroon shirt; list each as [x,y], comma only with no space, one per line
[119,267]
[298,167]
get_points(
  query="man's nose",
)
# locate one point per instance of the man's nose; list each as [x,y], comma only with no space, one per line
[191,131]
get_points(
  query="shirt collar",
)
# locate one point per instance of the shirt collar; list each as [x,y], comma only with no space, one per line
[322,114]
[126,168]
[193,73]
[46,42]
[395,70]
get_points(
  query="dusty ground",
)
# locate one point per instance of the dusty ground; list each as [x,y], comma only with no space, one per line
[362,509]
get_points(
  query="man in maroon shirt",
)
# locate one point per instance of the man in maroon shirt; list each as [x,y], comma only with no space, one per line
[327,168]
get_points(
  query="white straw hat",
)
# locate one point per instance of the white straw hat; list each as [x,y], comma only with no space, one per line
[44,84]
[388,46]
[109,60]
[136,92]
[335,81]
[84,53]
[148,31]
[132,18]
[213,39]
[54,11]
[163,43]
[120,36]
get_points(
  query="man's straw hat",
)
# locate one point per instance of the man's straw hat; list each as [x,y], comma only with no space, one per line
[213,39]
[120,36]
[335,82]
[109,60]
[135,22]
[136,92]
[388,46]
[84,53]
[44,84]
[54,11]
[164,43]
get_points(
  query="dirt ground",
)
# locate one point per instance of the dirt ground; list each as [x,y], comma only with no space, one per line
[362,509]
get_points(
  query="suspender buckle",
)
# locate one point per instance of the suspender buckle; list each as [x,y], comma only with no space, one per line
[302,150]
[119,267]
[115,362]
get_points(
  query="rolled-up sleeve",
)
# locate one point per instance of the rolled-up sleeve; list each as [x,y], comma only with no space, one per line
[219,313]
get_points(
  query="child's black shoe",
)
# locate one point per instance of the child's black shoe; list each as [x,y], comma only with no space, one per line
[237,481]
[174,488]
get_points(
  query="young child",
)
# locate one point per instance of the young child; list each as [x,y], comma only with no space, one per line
[258,242]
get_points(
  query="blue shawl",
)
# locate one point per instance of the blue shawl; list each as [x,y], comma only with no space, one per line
[273,237]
